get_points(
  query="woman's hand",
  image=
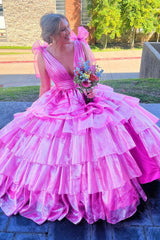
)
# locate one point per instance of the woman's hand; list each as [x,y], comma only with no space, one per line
[91,94]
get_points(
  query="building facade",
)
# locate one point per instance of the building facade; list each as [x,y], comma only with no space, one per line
[19,19]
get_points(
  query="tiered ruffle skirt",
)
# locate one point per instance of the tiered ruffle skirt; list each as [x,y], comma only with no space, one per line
[63,158]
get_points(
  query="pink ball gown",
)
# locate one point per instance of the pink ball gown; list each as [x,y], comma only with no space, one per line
[63,158]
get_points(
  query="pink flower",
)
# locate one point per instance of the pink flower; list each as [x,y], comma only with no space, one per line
[86,84]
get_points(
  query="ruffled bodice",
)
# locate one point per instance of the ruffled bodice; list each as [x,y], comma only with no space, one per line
[56,71]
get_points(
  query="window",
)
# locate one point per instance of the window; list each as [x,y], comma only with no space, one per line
[60,6]
[3,36]
[85,18]
[1,9]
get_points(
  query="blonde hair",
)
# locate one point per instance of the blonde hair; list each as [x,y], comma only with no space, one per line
[50,24]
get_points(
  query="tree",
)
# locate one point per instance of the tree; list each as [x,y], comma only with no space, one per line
[138,14]
[157,23]
[105,18]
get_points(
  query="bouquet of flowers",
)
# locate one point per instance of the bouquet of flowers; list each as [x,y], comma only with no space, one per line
[87,77]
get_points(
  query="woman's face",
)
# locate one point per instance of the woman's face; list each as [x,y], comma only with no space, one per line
[63,35]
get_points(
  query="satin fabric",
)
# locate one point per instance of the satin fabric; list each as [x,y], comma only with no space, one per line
[63,158]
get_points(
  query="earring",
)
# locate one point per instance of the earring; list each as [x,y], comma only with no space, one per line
[53,41]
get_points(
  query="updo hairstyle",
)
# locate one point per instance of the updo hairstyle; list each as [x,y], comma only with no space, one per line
[50,24]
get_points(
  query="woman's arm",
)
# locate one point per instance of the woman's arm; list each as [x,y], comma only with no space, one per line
[45,80]
[87,53]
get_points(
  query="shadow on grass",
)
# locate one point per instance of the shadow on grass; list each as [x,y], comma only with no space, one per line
[115,46]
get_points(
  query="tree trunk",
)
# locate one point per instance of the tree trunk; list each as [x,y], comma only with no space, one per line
[106,41]
[158,34]
[133,33]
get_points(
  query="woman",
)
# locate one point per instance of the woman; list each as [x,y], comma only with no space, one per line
[65,158]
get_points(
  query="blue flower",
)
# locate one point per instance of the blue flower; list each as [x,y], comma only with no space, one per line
[98,74]
[86,66]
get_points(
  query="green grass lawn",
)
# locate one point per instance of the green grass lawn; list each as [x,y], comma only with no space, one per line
[114,47]
[148,90]
[15,47]
[22,94]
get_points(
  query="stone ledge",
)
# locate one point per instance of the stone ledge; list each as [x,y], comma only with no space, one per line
[150,62]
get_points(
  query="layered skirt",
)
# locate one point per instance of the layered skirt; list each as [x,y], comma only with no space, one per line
[63,158]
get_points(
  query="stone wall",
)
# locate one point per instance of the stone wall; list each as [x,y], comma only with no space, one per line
[22,20]
[150,62]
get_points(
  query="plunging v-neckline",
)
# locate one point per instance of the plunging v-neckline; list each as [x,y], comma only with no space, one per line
[62,64]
